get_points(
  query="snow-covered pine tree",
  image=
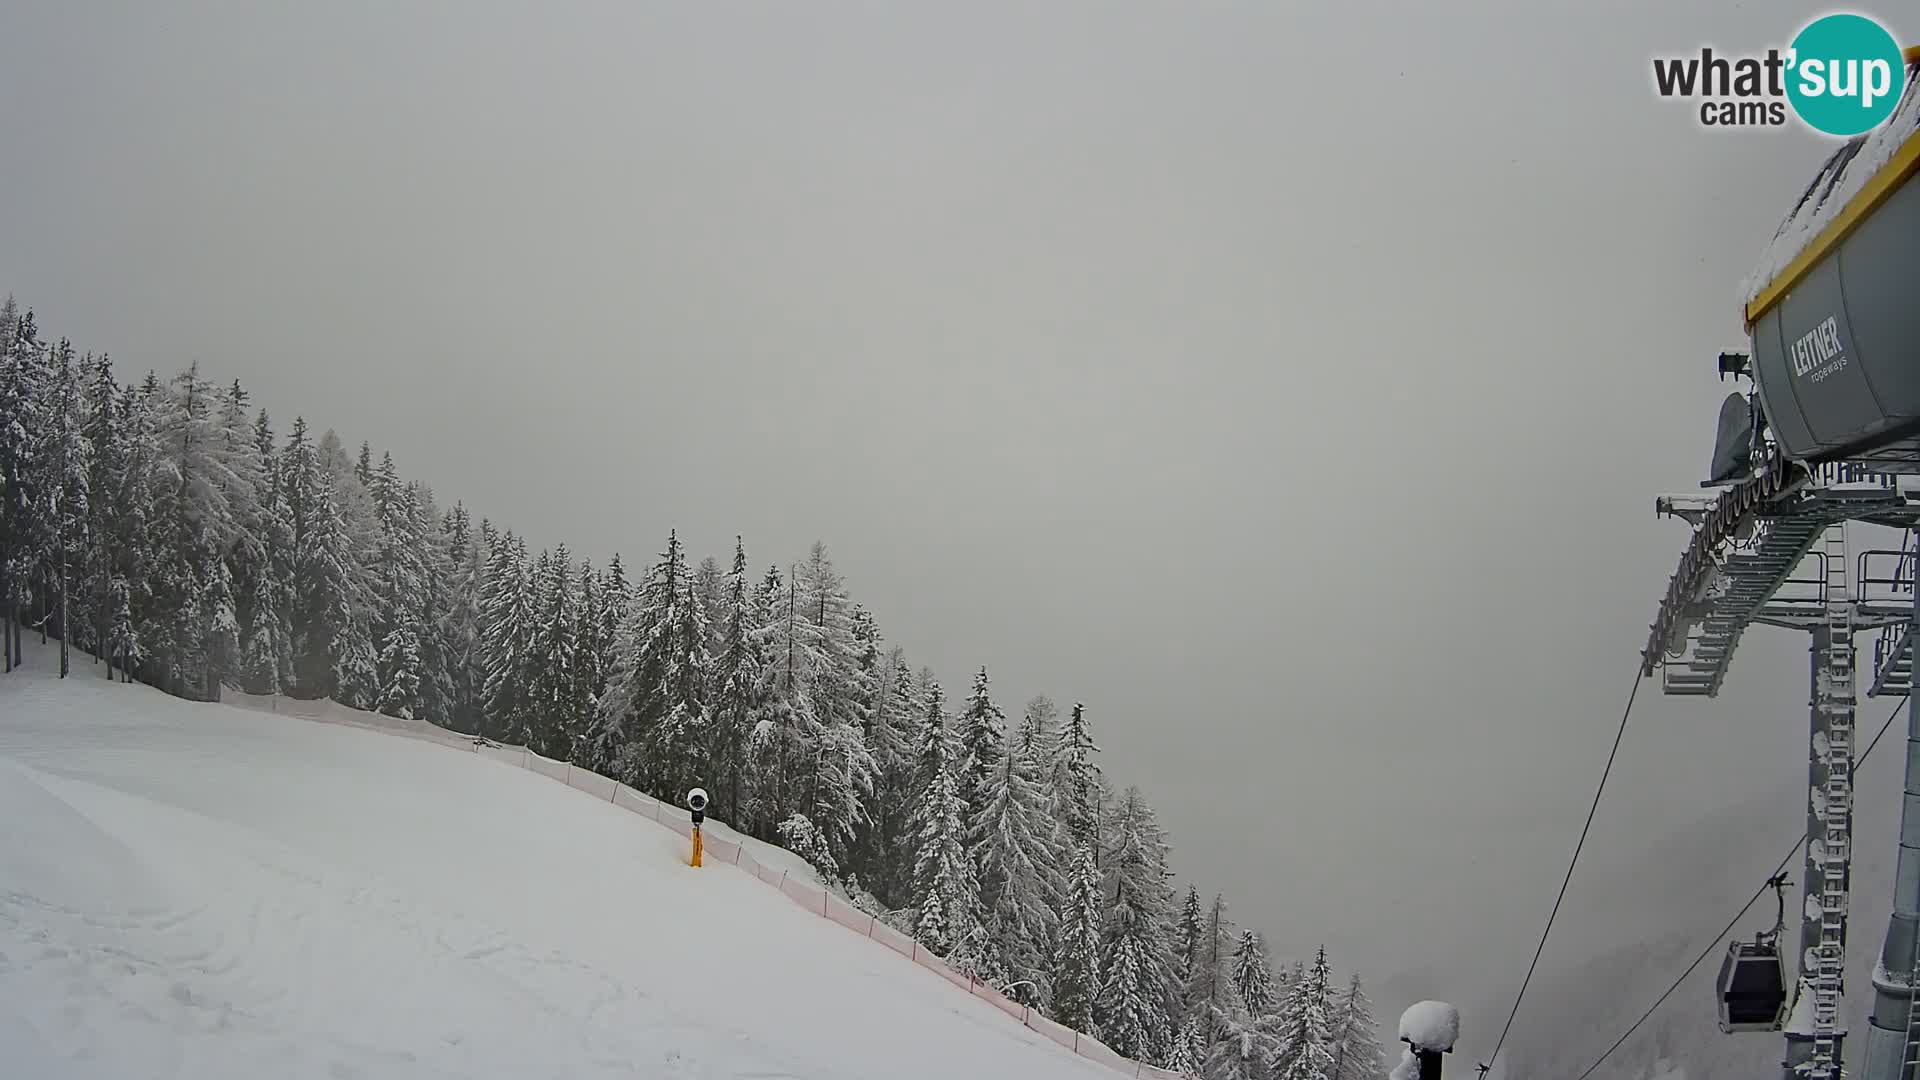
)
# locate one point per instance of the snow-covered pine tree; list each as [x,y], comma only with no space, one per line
[786,743]
[136,633]
[107,509]
[798,835]
[66,465]
[1131,1020]
[898,708]
[838,768]
[769,751]
[653,723]
[1137,948]
[983,736]
[355,664]
[193,490]
[14,452]
[1039,734]
[710,585]
[1209,988]
[220,630]
[1237,1049]
[400,595]
[738,671]
[689,689]
[1357,1054]
[588,652]
[260,663]
[25,540]
[1187,936]
[1076,958]
[267,648]
[1253,976]
[248,555]
[318,579]
[460,626]
[1303,1027]
[946,893]
[865,662]
[1076,781]
[506,627]
[123,640]
[552,674]
[1019,880]
[437,649]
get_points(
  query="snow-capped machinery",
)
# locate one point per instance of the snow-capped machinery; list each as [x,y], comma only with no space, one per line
[1829,433]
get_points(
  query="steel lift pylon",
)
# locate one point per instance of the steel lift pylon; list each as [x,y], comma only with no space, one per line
[1746,564]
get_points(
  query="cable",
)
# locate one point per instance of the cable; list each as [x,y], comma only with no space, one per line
[1487,1065]
[1714,945]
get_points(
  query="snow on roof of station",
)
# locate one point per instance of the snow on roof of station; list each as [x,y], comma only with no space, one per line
[1838,181]
[1430,1025]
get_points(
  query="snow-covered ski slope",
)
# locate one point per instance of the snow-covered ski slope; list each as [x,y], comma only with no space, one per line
[191,890]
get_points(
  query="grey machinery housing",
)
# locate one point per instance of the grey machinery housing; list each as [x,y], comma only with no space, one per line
[1837,359]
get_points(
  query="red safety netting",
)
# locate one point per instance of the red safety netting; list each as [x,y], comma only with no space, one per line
[849,916]
[1059,1033]
[604,787]
[894,939]
[547,767]
[806,894]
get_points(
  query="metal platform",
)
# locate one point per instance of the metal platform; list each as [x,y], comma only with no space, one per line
[1743,565]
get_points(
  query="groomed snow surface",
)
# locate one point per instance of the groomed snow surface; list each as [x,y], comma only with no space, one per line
[192,890]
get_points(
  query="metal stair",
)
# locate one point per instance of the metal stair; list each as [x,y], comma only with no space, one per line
[1834,697]
[1893,649]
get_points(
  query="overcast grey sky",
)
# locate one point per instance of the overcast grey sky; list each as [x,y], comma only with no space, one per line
[1290,384]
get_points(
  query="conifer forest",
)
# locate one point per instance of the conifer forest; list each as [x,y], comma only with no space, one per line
[164,530]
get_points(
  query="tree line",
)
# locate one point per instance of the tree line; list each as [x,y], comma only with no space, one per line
[164,529]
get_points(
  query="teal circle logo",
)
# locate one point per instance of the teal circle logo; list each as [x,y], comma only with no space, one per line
[1845,74]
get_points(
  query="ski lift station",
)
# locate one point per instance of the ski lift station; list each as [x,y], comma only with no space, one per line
[1824,429]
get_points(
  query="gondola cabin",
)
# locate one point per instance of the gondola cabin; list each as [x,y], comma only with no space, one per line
[1753,987]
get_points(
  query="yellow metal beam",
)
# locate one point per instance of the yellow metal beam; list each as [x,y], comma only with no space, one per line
[1878,189]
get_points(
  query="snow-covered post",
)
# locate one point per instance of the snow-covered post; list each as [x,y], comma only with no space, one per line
[697,802]
[1429,1028]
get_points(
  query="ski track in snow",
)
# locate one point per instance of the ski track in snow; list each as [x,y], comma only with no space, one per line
[196,891]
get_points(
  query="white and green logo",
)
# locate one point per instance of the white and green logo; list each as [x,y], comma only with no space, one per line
[1841,75]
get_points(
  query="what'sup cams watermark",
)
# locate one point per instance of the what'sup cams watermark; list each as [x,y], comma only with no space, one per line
[1842,75]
